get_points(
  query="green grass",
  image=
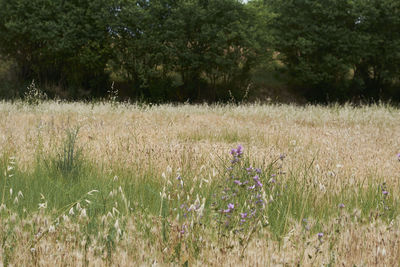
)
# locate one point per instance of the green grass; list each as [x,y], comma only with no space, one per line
[292,200]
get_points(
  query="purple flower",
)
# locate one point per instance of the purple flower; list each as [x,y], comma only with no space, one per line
[258,170]
[239,150]
[398,156]
[341,206]
[237,182]
[320,235]
[385,193]
[243,215]
[282,156]
[229,209]
[251,187]
[257,181]
[179,178]
[259,201]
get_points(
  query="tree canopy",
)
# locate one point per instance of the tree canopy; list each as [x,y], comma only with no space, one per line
[203,50]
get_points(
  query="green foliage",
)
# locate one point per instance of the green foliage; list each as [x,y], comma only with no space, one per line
[333,46]
[185,49]
[62,43]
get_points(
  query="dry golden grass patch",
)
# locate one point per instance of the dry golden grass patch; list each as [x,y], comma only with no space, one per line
[343,144]
[332,148]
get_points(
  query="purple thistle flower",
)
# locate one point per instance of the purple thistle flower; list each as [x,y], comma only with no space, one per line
[237,182]
[320,235]
[385,193]
[259,201]
[257,181]
[239,150]
[341,206]
[229,209]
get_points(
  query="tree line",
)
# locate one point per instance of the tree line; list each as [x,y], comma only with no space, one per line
[204,50]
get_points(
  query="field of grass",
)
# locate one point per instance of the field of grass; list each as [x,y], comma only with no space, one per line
[103,184]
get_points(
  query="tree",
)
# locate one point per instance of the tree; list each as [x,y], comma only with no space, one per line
[376,57]
[196,47]
[314,40]
[56,41]
[338,48]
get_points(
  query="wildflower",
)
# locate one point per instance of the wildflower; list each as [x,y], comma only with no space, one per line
[257,181]
[398,156]
[320,235]
[243,215]
[341,205]
[230,208]
[282,156]
[385,193]
[258,170]
[237,182]
[239,150]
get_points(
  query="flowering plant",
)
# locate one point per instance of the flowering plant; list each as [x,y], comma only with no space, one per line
[240,202]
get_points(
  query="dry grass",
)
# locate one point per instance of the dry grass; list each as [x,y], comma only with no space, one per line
[333,148]
[347,143]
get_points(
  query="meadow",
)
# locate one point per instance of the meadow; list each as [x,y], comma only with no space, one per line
[99,184]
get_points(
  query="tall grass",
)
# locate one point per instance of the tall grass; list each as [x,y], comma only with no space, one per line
[184,205]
